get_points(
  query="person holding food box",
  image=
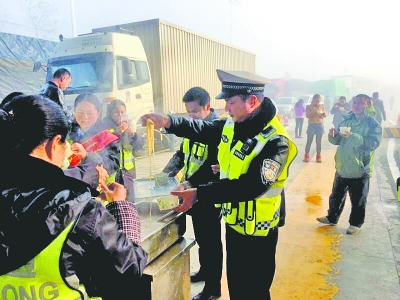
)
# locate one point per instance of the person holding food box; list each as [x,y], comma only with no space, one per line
[340,108]
[315,113]
[359,135]
[92,146]
[129,141]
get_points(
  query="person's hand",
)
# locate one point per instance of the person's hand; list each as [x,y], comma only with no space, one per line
[79,150]
[103,175]
[158,119]
[341,108]
[116,193]
[123,126]
[332,132]
[189,197]
[215,169]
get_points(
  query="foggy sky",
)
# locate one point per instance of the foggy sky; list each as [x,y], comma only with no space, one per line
[306,39]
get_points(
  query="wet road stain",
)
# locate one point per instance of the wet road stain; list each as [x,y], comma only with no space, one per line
[314,199]
[307,251]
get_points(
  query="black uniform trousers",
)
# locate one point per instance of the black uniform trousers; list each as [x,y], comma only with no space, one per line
[206,219]
[358,189]
[250,264]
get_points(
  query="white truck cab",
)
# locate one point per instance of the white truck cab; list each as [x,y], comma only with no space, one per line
[109,65]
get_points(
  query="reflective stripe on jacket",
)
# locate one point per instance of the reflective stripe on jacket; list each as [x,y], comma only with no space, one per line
[41,277]
[253,217]
[195,156]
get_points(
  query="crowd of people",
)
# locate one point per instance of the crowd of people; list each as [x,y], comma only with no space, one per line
[68,195]
[69,188]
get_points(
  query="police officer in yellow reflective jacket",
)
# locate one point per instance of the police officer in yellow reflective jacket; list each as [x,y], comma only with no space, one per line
[254,153]
[195,160]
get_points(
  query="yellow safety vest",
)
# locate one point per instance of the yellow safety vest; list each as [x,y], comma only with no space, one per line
[125,156]
[126,159]
[194,157]
[252,217]
[41,277]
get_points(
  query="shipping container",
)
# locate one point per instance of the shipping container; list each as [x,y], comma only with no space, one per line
[180,59]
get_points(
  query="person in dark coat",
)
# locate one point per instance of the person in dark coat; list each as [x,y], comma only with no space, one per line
[129,142]
[57,240]
[87,111]
[379,108]
[54,89]
[197,161]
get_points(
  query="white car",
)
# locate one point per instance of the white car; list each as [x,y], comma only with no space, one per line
[285,106]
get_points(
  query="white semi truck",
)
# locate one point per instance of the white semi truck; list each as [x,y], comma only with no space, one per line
[148,64]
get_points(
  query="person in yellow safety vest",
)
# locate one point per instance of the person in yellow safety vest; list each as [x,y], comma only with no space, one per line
[129,142]
[87,110]
[254,154]
[57,241]
[195,160]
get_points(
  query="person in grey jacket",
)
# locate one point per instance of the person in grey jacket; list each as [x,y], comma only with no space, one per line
[354,161]
[57,240]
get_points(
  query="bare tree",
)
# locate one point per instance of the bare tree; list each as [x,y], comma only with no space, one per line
[41,17]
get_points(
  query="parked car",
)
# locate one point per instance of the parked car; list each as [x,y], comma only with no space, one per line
[285,106]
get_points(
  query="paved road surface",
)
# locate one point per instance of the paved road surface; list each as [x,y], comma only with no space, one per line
[322,262]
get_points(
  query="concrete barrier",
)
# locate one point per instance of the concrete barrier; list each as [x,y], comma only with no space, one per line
[391,132]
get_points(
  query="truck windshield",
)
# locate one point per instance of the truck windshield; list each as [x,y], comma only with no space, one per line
[90,72]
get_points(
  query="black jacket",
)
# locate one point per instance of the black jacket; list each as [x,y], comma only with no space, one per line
[37,201]
[203,175]
[250,185]
[50,90]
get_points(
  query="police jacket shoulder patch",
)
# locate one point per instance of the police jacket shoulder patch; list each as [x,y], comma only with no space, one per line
[269,171]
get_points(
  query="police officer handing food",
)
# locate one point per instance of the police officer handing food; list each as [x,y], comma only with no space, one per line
[254,154]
